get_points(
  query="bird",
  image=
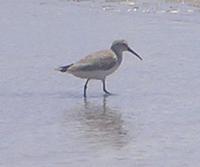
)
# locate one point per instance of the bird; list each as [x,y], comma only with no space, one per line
[100,64]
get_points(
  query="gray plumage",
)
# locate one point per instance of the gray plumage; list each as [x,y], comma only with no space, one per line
[100,64]
[102,60]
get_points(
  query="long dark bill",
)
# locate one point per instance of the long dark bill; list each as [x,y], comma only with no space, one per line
[130,50]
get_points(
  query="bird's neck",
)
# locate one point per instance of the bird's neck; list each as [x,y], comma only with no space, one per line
[118,53]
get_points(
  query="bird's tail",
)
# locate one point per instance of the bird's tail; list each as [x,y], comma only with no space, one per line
[63,68]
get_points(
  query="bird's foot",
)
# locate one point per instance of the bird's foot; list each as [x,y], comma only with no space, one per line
[108,93]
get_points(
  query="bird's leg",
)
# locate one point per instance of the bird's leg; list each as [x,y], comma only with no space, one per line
[104,87]
[85,87]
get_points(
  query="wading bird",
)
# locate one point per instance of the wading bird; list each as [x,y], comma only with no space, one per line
[100,64]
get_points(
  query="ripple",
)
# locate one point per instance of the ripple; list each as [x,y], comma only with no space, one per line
[172,6]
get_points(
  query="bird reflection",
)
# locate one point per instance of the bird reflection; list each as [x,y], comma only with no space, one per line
[102,125]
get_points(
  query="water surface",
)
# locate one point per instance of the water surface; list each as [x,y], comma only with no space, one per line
[152,119]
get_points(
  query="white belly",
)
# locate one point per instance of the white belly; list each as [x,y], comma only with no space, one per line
[96,74]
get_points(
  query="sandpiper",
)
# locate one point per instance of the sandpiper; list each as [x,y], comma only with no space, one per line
[100,64]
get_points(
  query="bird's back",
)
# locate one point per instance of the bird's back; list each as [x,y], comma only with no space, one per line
[95,65]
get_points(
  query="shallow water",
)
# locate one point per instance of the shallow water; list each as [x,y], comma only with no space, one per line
[151,120]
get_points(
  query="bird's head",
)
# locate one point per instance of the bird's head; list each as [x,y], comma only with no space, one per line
[120,46]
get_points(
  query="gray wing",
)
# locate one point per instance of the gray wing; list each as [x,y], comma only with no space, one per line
[102,60]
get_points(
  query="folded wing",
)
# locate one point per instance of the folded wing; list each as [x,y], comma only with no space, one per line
[102,60]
